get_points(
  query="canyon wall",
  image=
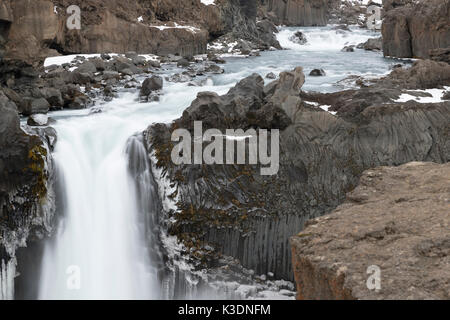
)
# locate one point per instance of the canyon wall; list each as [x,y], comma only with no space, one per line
[298,12]
[37,28]
[394,225]
[413,30]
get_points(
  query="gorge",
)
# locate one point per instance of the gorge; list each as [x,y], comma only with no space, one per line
[102,213]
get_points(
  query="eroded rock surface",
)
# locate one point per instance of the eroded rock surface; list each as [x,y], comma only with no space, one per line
[298,12]
[239,212]
[26,190]
[396,219]
[34,29]
[415,28]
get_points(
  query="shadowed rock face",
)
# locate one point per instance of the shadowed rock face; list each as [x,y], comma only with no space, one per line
[5,23]
[26,192]
[248,216]
[298,12]
[412,30]
[397,219]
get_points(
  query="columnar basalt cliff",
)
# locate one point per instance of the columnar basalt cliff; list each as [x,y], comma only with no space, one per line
[250,217]
[394,225]
[415,29]
[298,12]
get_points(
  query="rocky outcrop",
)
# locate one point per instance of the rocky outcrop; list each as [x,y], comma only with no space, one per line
[349,12]
[37,28]
[6,19]
[298,12]
[26,193]
[412,30]
[239,212]
[396,223]
[374,44]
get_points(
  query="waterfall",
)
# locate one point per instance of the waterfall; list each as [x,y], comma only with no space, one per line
[7,275]
[100,250]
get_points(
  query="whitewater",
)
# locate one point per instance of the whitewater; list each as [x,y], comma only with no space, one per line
[100,250]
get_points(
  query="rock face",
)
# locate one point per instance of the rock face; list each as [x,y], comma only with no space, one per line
[239,212]
[37,28]
[6,19]
[412,30]
[26,194]
[298,12]
[397,219]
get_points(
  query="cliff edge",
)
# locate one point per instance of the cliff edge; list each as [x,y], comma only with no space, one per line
[393,226]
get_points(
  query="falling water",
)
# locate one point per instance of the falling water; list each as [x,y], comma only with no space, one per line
[105,242]
[99,252]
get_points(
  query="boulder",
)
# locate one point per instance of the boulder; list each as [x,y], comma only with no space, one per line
[348,49]
[86,67]
[317,73]
[150,85]
[299,38]
[33,106]
[394,225]
[266,34]
[53,97]
[374,44]
[183,63]
[38,120]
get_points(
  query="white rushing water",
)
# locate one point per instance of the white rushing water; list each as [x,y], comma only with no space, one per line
[99,250]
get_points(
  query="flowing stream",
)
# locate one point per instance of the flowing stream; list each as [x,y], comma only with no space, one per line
[100,249]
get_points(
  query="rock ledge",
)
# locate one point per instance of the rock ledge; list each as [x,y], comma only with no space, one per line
[397,219]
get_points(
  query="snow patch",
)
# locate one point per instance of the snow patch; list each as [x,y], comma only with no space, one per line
[177,26]
[208,2]
[436,96]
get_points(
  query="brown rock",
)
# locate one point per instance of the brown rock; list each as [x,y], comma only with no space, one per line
[413,30]
[397,219]
[442,55]
[298,12]
[34,26]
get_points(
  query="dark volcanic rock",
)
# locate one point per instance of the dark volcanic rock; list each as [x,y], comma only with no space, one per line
[423,74]
[26,194]
[33,106]
[374,44]
[249,216]
[396,220]
[317,73]
[299,38]
[150,85]
[348,49]
[413,30]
